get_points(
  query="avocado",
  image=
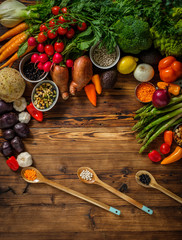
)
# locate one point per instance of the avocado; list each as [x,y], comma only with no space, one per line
[108,79]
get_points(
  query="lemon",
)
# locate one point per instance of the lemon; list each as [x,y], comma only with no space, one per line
[127,64]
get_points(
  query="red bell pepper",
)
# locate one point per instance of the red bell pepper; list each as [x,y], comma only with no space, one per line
[169,69]
[12,163]
[38,115]
[154,156]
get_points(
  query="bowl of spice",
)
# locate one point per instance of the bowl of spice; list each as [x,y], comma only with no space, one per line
[101,58]
[45,95]
[144,92]
[178,134]
[29,71]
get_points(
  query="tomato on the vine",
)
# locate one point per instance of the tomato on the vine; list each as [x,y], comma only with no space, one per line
[59,46]
[55,10]
[70,33]
[62,31]
[52,23]
[49,49]
[51,34]
[43,28]
[64,10]
[61,19]
[41,37]
[82,26]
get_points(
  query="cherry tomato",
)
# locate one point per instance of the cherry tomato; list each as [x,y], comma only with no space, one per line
[41,37]
[82,26]
[51,23]
[40,47]
[70,33]
[49,49]
[64,10]
[43,28]
[62,31]
[164,148]
[55,10]
[59,46]
[73,24]
[52,34]
[61,19]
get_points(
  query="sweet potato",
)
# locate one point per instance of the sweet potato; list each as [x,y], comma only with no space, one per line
[81,74]
[60,76]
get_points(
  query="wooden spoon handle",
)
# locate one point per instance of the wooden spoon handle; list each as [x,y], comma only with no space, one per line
[82,196]
[125,197]
[167,192]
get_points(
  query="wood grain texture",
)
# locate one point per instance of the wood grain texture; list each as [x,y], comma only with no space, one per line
[75,134]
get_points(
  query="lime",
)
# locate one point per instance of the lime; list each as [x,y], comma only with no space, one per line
[127,64]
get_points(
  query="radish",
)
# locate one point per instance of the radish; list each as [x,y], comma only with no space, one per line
[32,41]
[34,58]
[57,58]
[40,47]
[47,66]
[43,58]
[69,63]
[40,66]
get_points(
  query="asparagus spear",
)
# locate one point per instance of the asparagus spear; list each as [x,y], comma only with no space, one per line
[143,108]
[159,131]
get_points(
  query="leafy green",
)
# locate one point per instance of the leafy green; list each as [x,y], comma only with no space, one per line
[22,49]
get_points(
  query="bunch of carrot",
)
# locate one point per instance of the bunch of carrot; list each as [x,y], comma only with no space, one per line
[18,36]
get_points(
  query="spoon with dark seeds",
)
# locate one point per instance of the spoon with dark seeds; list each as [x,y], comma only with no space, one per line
[146,179]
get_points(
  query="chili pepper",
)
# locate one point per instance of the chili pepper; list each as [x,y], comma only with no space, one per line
[34,112]
[172,88]
[173,157]
[91,93]
[164,148]
[169,69]
[12,163]
[154,156]
[168,137]
[97,83]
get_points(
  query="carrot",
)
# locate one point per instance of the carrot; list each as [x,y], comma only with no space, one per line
[15,57]
[173,157]
[13,47]
[97,83]
[10,42]
[14,31]
[91,93]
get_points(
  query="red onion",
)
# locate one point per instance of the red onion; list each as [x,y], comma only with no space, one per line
[161,98]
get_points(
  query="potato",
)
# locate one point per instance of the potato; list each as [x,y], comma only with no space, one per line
[12,85]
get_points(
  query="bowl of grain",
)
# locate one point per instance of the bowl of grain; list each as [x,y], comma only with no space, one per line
[101,58]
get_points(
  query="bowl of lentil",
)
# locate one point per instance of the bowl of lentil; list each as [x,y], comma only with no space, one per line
[178,134]
[29,71]
[144,92]
[102,59]
[45,95]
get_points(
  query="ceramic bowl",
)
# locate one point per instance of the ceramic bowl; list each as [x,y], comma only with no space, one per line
[137,89]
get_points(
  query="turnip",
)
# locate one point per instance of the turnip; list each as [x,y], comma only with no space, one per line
[47,66]
[43,58]
[34,58]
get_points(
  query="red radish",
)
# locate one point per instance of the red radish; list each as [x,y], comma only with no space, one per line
[43,58]
[40,66]
[47,66]
[32,41]
[34,58]
[69,63]
[40,47]
[49,49]
[57,58]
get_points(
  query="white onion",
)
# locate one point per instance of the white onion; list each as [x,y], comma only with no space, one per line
[144,72]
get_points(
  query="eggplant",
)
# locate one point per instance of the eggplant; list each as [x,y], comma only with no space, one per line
[17,144]
[5,107]
[8,120]
[6,149]
[22,130]
[9,134]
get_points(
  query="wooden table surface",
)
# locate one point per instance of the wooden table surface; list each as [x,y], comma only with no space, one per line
[75,134]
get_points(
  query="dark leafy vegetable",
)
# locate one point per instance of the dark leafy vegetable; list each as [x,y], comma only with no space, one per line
[8,120]
[9,134]
[6,149]
[17,144]
[22,130]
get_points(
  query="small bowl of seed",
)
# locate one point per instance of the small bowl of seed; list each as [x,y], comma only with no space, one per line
[45,95]
[178,134]
[101,58]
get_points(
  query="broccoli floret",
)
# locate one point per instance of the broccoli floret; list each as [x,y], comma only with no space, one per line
[167,45]
[133,34]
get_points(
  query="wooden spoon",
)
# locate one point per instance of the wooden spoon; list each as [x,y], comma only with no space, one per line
[41,179]
[154,184]
[96,180]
